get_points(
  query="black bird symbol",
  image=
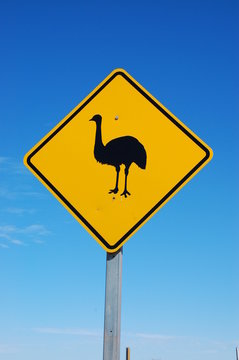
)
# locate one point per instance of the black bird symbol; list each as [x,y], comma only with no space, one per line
[123,150]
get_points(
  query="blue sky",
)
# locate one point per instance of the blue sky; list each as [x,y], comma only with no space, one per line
[180,271]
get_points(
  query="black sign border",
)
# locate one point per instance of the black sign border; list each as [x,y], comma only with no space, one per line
[149,213]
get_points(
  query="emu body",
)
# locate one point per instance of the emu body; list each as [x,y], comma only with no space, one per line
[123,150]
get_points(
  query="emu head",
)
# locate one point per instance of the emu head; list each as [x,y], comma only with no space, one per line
[96,118]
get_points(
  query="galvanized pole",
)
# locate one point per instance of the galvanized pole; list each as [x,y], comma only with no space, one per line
[113,286]
[237,354]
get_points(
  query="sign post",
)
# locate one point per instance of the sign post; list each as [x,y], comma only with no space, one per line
[113,305]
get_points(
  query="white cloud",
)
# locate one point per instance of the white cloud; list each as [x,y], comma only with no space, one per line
[68,331]
[7,194]
[29,193]
[154,336]
[4,236]
[35,229]
[13,166]
[4,246]
[5,230]
[85,332]
[18,211]
[37,241]
[7,349]
[30,232]
[3,159]
[17,242]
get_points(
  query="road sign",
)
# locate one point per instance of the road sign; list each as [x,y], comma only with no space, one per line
[115,171]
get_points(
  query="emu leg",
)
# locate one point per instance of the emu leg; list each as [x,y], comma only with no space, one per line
[115,190]
[125,192]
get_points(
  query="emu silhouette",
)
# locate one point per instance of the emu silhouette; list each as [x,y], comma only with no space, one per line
[123,150]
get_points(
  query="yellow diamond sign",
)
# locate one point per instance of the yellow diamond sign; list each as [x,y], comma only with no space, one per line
[116,159]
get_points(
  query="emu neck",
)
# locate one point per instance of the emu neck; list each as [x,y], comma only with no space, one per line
[98,139]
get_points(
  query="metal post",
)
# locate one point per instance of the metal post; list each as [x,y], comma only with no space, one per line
[237,354]
[127,353]
[113,286]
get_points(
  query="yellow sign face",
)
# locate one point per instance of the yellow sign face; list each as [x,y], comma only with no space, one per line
[116,159]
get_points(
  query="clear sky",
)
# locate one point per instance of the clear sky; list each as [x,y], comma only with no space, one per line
[180,271]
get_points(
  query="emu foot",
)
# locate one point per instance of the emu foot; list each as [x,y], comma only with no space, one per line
[125,193]
[115,190]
